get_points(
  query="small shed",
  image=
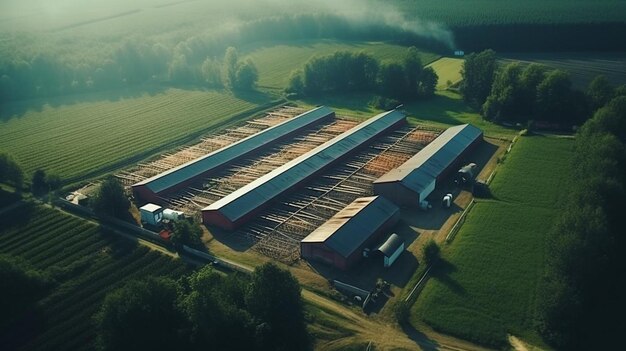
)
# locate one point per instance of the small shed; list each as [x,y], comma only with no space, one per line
[391,249]
[173,215]
[151,214]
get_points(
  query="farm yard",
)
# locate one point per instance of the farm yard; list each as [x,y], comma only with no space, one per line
[485,287]
[84,261]
[85,139]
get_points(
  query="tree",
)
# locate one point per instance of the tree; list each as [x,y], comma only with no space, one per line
[186,233]
[554,97]
[428,83]
[296,83]
[431,252]
[247,75]
[211,72]
[141,315]
[413,71]
[231,60]
[38,185]
[274,298]
[478,74]
[21,286]
[599,92]
[393,81]
[110,199]
[506,94]
[10,171]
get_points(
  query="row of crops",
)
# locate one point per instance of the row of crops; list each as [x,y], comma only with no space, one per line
[489,12]
[86,263]
[75,139]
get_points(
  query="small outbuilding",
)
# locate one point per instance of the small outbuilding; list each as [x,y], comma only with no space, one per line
[151,214]
[391,249]
[342,239]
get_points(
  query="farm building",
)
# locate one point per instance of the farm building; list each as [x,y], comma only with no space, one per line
[391,249]
[413,181]
[185,174]
[341,240]
[238,207]
[151,214]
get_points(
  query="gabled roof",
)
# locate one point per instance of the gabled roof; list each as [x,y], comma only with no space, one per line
[391,245]
[346,231]
[221,157]
[421,169]
[255,194]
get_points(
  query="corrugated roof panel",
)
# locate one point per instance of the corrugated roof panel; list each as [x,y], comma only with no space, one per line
[346,231]
[420,170]
[391,245]
[253,195]
[218,158]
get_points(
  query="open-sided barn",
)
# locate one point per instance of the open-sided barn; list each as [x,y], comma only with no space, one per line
[341,240]
[414,180]
[241,205]
[181,176]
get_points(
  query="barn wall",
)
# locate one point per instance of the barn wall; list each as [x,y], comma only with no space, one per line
[397,193]
[216,218]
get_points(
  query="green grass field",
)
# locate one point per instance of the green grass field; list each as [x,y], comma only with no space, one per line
[276,62]
[86,264]
[82,138]
[448,70]
[486,285]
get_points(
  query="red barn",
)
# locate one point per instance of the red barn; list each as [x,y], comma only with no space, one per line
[341,240]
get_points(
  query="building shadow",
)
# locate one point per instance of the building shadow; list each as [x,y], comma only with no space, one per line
[236,241]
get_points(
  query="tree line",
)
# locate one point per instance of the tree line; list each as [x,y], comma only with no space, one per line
[345,71]
[199,59]
[133,62]
[581,298]
[517,93]
[206,311]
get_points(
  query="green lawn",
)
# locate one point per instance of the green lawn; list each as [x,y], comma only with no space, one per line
[275,62]
[98,133]
[449,70]
[486,285]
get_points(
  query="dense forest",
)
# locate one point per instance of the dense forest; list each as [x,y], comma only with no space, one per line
[206,311]
[582,295]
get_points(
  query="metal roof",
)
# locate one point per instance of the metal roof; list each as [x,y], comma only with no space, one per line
[152,208]
[391,245]
[421,169]
[255,194]
[220,157]
[346,231]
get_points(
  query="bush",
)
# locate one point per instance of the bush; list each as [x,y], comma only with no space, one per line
[431,252]
[383,103]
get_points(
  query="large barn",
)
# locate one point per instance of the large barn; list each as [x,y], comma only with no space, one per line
[341,240]
[235,209]
[179,177]
[415,179]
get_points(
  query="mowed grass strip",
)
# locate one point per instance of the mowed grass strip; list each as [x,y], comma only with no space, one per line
[276,62]
[486,285]
[448,70]
[74,139]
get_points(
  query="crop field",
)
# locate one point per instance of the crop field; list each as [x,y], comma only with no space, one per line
[486,12]
[448,69]
[582,67]
[85,262]
[83,138]
[486,285]
[276,62]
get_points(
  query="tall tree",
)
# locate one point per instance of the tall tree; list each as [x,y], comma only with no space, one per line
[186,233]
[428,82]
[247,75]
[231,60]
[110,199]
[554,97]
[10,171]
[506,94]
[413,71]
[143,315]
[272,287]
[478,74]
[38,184]
[599,92]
